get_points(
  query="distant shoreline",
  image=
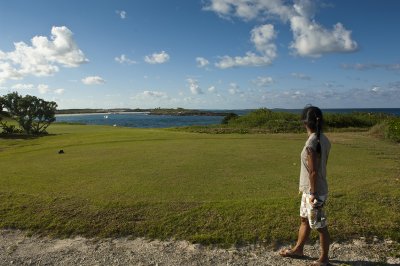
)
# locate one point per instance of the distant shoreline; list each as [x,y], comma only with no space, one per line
[157,111]
[117,113]
[98,111]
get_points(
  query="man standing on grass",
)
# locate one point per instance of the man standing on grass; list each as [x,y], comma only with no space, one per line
[314,187]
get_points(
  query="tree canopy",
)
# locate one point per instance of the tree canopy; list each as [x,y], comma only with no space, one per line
[33,114]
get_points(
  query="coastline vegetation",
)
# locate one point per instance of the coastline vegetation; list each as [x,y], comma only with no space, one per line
[206,188]
[268,121]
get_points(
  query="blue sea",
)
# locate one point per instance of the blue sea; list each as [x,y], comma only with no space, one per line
[139,120]
[144,120]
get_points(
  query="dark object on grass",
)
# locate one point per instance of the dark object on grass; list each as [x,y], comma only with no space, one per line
[61,152]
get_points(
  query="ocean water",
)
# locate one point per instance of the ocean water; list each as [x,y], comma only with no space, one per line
[143,120]
[140,120]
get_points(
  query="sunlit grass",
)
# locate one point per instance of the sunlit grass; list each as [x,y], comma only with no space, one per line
[206,188]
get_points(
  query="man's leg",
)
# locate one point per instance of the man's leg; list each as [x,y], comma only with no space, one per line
[324,240]
[297,251]
[304,233]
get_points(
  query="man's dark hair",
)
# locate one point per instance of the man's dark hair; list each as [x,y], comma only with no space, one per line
[312,117]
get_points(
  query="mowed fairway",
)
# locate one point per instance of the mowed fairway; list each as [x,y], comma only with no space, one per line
[221,189]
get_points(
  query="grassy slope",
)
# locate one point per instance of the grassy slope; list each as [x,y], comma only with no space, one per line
[206,188]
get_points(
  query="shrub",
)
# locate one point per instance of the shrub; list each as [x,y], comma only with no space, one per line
[356,119]
[228,117]
[10,129]
[267,119]
[393,130]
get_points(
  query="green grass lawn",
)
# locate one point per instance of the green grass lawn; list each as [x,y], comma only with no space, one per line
[213,189]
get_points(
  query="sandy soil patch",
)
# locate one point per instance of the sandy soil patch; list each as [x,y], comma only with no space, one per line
[18,249]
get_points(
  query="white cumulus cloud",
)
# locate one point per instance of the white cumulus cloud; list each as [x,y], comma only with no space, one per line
[313,40]
[21,86]
[202,62]
[123,59]
[250,59]
[121,13]
[310,39]
[249,9]
[42,57]
[157,58]
[155,94]
[234,89]
[212,89]
[8,72]
[301,76]
[263,81]
[93,80]
[261,37]
[43,88]
[194,86]
[59,91]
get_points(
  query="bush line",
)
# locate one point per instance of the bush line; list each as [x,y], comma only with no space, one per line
[266,121]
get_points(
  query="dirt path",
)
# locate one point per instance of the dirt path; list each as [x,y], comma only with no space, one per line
[18,249]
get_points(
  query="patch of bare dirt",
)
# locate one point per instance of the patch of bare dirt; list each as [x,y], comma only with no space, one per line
[16,248]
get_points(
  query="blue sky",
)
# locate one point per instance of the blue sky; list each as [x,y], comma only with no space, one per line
[211,54]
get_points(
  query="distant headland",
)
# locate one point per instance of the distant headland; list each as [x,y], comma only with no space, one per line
[154,111]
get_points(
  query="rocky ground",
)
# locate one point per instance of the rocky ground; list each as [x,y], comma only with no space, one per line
[18,249]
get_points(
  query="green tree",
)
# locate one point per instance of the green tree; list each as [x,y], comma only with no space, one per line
[33,114]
